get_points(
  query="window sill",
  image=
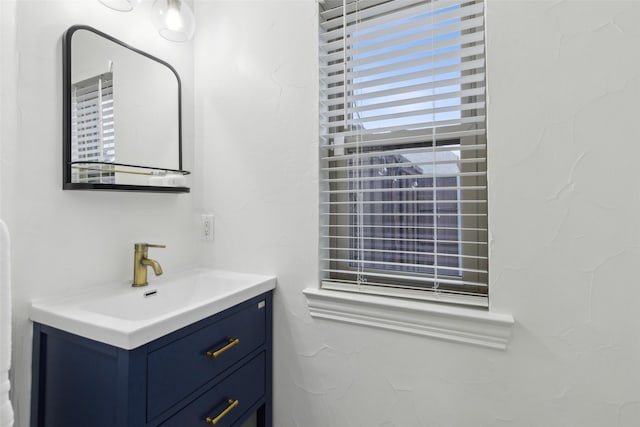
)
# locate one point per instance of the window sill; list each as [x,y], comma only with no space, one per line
[451,323]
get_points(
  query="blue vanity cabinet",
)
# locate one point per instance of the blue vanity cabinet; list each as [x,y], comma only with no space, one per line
[219,368]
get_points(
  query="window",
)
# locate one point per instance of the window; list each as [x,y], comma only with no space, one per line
[403,150]
[92,130]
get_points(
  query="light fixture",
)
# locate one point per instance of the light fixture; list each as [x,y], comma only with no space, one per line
[173,19]
[121,5]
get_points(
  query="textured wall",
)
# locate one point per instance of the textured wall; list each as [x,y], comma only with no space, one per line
[72,239]
[563,84]
[564,80]
[564,198]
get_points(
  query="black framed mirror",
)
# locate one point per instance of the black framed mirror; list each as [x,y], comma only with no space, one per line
[122,117]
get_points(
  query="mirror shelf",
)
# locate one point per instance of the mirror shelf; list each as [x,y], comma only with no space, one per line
[106,172]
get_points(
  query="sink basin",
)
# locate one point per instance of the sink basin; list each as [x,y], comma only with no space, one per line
[128,317]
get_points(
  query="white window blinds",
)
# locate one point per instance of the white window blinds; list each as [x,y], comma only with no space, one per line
[402,150]
[92,127]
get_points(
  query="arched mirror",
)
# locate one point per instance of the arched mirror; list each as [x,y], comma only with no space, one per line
[122,117]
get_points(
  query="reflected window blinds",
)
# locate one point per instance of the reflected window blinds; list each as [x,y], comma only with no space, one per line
[92,127]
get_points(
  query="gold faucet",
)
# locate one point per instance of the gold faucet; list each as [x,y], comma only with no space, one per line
[141,262]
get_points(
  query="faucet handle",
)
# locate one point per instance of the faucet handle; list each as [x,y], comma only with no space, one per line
[143,246]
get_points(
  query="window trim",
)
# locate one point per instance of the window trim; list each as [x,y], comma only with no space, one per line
[446,322]
[436,315]
[391,290]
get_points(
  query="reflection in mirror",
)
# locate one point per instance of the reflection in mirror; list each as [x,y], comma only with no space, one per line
[122,117]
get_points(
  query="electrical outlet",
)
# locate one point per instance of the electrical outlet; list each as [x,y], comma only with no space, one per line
[207,226]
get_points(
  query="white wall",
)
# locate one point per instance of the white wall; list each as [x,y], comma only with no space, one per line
[564,202]
[8,59]
[72,239]
[563,84]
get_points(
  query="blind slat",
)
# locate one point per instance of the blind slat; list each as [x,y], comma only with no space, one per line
[366,50]
[374,143]
[410,111]
[456,161]
[403,88]
[334,64]
[418,279]
[450,268]
[473,229]
[427,127]
[403,190]
[375,15]
[402,64]
[401,240]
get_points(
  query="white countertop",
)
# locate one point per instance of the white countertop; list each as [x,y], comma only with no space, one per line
[128,317]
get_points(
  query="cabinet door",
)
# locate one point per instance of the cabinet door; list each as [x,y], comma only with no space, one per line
[226,402]
[181,367]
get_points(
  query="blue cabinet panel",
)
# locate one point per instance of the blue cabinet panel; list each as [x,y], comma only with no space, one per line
[244,386]
[90,365]
[78,382]
[191,367]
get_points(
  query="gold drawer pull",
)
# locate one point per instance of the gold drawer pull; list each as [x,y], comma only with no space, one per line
[216,420]
[232,342]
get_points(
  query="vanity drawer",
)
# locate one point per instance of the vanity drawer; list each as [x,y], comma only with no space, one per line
[181,367]
[228,400]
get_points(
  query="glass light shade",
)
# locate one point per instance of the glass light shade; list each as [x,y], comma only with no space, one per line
[173,19]
[121,5]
